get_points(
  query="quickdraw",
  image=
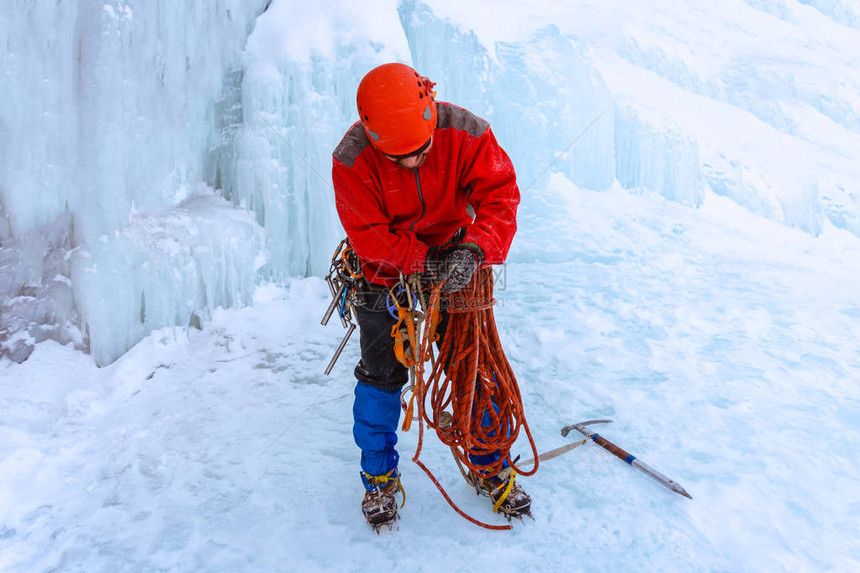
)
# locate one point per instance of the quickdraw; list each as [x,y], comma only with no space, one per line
[346,283]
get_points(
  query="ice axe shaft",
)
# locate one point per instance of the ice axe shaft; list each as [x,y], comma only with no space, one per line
[554,453]
[560,450]
[625,456]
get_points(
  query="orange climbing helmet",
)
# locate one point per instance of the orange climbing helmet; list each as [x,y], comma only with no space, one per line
[397,108]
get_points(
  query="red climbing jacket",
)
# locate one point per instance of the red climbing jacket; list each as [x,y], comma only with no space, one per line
[392,214]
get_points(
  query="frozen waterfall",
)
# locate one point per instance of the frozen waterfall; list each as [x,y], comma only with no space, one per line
[158,159]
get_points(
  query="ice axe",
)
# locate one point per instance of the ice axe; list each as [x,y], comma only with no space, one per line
[623,455]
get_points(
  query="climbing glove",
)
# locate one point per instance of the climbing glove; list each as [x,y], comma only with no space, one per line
[454,265]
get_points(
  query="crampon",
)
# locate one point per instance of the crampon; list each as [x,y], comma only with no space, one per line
[508,497]
[379,505]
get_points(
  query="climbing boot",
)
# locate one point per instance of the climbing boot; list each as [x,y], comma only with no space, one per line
[379,505]
[508,497]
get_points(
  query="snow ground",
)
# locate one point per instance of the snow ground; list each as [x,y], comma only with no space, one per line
[723,345]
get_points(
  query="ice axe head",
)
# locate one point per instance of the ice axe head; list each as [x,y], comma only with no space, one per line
[580,427]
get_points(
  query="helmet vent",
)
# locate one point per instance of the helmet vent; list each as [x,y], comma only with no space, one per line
[428,115]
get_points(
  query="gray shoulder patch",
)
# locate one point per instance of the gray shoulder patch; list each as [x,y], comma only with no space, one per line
[351,146]
[453,117]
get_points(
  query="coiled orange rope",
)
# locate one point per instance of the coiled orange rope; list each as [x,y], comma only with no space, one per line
[472,376]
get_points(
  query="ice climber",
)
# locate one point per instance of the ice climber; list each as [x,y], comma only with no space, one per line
[421,186]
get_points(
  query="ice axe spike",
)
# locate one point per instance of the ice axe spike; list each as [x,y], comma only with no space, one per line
[623,455]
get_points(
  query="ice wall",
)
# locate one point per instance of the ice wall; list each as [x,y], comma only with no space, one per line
[36,297]
[846,12]
[38,132]
[302,67]
[843,11]
[156,157]
[554,110]
[166,269]
[656,158]
[803,104]
[539,93]
[450,55]
[109,113]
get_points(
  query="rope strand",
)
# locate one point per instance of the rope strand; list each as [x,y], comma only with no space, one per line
[472,376]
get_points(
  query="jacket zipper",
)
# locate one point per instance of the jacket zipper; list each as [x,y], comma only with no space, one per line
[421,197]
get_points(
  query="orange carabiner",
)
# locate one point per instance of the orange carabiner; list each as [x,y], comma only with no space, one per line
[403,337]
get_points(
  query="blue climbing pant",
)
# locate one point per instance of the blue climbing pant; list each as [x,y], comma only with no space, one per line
[491,457]
[376,413]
